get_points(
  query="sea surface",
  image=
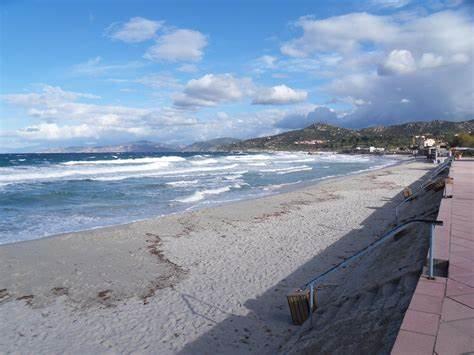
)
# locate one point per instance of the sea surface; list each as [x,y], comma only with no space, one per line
[47,194]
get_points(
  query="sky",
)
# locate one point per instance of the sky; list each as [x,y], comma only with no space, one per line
[109,72]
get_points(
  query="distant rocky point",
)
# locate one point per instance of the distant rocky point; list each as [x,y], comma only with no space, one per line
[134,147]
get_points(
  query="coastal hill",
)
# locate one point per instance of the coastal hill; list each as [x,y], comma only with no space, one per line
[316,136]
[212,145]
[325,136]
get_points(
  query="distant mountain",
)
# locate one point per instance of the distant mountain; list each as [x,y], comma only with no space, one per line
[212,145]
[324,136]
[316,136]
[134,147]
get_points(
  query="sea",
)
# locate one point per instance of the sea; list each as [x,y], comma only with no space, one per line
[47,194]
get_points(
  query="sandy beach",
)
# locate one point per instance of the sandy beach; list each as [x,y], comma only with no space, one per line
[208,281]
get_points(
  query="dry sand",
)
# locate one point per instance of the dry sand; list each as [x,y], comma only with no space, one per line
[208,281]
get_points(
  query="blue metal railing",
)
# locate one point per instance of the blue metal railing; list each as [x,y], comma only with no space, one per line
[443,166]
[311,284]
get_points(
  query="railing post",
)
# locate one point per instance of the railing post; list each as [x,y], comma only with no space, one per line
[311,298]
[431,254]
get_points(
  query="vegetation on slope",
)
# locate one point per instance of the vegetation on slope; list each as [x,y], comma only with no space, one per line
[324,136]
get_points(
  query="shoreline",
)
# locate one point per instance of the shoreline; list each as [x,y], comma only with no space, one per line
[286,189]
[216,277]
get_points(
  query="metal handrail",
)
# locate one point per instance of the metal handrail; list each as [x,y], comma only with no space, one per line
[371,246]
[436,172]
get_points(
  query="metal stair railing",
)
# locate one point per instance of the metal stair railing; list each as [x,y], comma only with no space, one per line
[311,284]
[445,165]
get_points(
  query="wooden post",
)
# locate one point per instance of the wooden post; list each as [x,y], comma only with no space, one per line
[407,192]
[298,301]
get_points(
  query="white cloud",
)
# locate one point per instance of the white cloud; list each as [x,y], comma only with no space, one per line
[49,95]
[430,60]
[178,45]
[268,60]
[222,115]
[426,57]
[395,4]
[54,106]
[159,81]
[340,33]
[399,61]
[95,67]
[212,89]
[460,58]
[137,29]
[188,68]
[279,95]
[51,131]
[296,120]
[405,101]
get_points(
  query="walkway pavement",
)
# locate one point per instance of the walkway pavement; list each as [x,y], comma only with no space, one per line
[440,318]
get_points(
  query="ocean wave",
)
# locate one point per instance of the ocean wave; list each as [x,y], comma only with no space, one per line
[249,158]
[103,173]
[182,183]
[170,159]
[279,186]
[200,195]
[290,169]
[204,161]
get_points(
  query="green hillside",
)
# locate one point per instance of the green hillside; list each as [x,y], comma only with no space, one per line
[331,137]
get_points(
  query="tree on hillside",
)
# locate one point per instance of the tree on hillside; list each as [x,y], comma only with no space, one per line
[463,140]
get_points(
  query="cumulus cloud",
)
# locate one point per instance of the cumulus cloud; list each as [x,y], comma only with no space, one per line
[279,95]
[137,29]
[305,119]
[430,60]
[399,61]
[53,107]
[211,89]
[382,60]
[178,45]
[340,33]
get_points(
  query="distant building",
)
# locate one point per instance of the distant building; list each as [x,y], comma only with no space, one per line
[311,142]
[423,142]
[430,142]
[376,150]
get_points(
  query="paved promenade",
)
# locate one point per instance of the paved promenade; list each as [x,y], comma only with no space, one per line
[440,318]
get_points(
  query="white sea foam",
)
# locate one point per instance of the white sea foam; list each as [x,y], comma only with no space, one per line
[279,186]
[204,161]
[102,173]
[294,170]
[171,159]
[182,183]
[287,169]
[249,158]
[200,195]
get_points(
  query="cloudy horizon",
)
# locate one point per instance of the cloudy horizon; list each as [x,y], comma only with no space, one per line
[97,74]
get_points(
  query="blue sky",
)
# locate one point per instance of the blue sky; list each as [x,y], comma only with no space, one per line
[105,72]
